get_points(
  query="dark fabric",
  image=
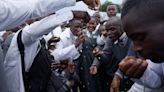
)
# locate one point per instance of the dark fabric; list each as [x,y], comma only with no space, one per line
[56,84]
[88,82]
[73,77]
[21,50]
[113,54]
[37,78]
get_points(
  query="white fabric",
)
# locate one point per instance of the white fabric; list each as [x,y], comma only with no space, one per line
[153,77]
[30,38]
[14,12]
[140,88]
[56,32]
[66,48]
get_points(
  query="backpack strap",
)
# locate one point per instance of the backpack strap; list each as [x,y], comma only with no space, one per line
[21,50]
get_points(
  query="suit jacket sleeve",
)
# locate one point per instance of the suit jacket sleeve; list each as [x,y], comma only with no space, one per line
[107,52]
[15,12]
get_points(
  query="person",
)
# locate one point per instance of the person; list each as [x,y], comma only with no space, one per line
[27,9]
[146,34]
[30,39]
[88,82]
[110,56]
[111,11]
[15,12]
[70,41]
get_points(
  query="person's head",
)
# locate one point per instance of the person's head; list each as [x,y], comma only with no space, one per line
[111,10]
[75,26]
[96,15]
[143,21]
[102,30]
[114,28]
[91,25]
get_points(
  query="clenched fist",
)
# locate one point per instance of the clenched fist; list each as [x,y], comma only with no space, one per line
[93,70]
[133,67]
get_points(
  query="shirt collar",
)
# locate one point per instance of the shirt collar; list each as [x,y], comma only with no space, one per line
[123,38]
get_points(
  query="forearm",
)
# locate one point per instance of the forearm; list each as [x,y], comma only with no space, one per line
[15,12]
[69,52]
[36,30]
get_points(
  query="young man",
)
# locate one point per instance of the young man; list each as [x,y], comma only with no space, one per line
[114,51]
[30,38]
[88,83]
[14,13]
[70,40]
[146,33]
[111,10]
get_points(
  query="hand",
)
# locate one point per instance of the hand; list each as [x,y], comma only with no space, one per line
[93,70]
[81,15]
[80,39]
[97,52]
[115,84]
[72,83]
[71,67]
[133,67]
[92,4]
[55,65]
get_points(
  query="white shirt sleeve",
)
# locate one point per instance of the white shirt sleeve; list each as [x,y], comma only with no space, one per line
[14,12]
[64,51]
[153,76]
[37,29]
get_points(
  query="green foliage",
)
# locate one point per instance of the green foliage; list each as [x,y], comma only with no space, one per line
[104,6]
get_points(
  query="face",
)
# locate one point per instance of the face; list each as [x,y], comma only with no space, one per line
[146,34]
[97,17]
[91,25]
[76,27]
[111,10]
[103,31]
[113,31]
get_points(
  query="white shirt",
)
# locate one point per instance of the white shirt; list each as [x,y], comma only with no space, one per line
[30,38]
[153,77]
[14,12]
[65,49]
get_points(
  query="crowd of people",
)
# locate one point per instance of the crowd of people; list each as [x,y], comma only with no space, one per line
[47,49]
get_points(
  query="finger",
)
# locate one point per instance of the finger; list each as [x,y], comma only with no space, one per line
[111,89]
[126,63]
[141,69]
[133,68]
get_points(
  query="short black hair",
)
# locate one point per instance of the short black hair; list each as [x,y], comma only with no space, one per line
[152,6]
[117,21]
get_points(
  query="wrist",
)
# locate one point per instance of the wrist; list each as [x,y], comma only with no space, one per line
[117,77]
